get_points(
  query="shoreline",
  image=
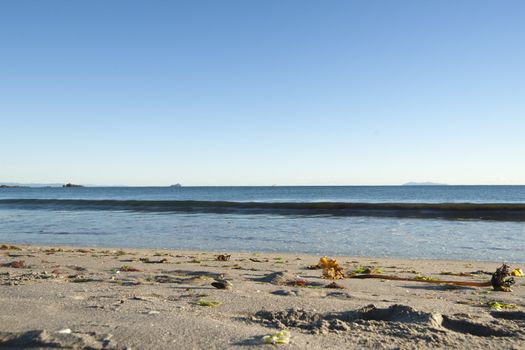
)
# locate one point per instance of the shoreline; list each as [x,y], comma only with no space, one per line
[110,298]
[248,252]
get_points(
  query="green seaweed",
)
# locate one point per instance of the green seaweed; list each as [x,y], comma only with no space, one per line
[366,269]
[282,337]
[499,305]
[426,278]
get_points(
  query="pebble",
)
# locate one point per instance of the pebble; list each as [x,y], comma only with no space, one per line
[222,284]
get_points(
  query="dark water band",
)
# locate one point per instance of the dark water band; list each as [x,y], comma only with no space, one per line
[452,211]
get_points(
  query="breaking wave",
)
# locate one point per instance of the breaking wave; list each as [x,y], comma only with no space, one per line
[451,211]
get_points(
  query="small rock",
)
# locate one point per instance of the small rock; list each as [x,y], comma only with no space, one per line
[222,284]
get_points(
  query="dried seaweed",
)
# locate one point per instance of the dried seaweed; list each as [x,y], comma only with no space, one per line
[502,279]
[223,257]
[331,268]
[334,285]
[148,261]
[17,264]
[9,247]
[127,268]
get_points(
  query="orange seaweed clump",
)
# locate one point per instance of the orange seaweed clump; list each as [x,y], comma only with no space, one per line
[331,269]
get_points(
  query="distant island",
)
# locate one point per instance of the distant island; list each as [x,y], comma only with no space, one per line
[71,185]
[26,185]
[176,185]
[424,184]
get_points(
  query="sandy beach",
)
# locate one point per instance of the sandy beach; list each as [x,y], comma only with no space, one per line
[99,298]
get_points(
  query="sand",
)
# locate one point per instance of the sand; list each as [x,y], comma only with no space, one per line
[97,298]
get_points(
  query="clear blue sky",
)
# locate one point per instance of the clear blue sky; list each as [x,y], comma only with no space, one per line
[262,92]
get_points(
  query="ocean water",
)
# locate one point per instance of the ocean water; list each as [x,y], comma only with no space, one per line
[438,222]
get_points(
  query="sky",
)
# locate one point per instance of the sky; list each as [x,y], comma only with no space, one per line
[262,92]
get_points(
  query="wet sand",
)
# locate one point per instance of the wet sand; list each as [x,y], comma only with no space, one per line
[100,298]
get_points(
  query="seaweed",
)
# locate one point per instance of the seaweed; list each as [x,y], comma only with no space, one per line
[282,337]
[17,264]
[331,268]
[426,278]
[502,279]
[366,269]
[148,261]
[334,285]
[9,247]
[223,257]
[53,250]
[127,268]
[499,305]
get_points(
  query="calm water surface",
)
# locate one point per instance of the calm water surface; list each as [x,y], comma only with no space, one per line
[364,236]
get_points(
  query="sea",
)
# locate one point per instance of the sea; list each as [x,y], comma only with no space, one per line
[484,223]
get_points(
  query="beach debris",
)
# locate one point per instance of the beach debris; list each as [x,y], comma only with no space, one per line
[282,337]
[223,257]
[502,279]
[17,264]
[331,269]
[50,251]
[499,305]
[299,282]
[222,284]
[149,261]
[64,331]
[334,285]
[426,278]
[366,269]
[517,273]
[127,268]
[208,303]
[9,247]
